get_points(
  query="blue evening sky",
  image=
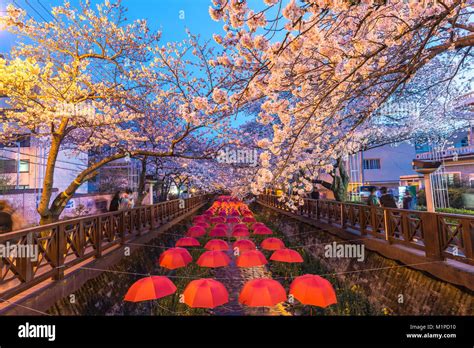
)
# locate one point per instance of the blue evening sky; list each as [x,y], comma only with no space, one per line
[162,15]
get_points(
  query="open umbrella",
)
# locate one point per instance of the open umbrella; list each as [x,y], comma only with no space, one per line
[313,290]
[202,224]
[213,259]
[218,232]
[196,231]
[272,244]
[233,220]
[286,255]
[187,242]
[222,226]
[150,288]
[257,225]
[240,232]
[262,230]
[200,218]
[243,245]
[262,293]
[175,258]
[248,219]
[217,219]
[217,244]
[205,293]
[251,258]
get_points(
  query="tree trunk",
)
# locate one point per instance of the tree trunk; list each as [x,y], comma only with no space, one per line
[340,181]
[142,181]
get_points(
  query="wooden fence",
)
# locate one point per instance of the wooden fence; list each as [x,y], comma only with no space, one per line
[438,235]
[66,243]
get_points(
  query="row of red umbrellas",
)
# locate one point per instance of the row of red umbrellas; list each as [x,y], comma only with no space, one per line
[179,257]
[308,289]
[242,244]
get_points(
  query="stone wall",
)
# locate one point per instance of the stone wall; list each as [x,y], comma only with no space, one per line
[384,281]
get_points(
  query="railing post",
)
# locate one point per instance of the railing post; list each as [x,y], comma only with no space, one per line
[363,231]
[431,236]
[386,222]
[343,215]
[468,237]
[98,237]
[60,251]
[24,263]
[121,227]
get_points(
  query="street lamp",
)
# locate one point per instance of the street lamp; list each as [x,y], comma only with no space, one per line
[426,168]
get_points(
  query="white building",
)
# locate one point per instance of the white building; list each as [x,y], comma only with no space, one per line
[23,163]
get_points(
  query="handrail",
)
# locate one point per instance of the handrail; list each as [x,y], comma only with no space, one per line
[65,243]
[439,235]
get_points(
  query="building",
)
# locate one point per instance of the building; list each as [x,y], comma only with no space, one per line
[23,163]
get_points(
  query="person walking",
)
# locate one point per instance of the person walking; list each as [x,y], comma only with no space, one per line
[387,200]
[373,200]
[115,202]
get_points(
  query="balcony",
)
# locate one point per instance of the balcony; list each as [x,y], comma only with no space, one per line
[452,152]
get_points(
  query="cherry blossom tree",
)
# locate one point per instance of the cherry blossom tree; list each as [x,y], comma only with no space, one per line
[321,69]
[89,79]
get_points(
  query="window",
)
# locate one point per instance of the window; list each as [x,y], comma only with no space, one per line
[453,179]
[373,163]
[24,166]
[9,166]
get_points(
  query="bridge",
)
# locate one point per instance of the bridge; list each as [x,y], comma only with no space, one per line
[437,243]
[66,246]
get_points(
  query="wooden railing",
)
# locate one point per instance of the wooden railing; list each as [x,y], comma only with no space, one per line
[66,243]
[439,235]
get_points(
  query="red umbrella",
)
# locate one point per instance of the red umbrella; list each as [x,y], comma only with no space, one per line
[272,244]
[248,219]
[217,244]
[187,242]
[244,245]
[251,258]
[218,232]
[262,293]
[213,259]
[223,226]
[258,224]
[286,255]
[150,288]
[313,290]
[244,226]
[217,219]
[202,224]
[175,258]
[262,230]
[205,293]
[240,233]
[196,231]
[233,220]
[199,218]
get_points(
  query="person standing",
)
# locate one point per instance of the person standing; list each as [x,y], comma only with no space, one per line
[387,200]
[115,202]
[407,200]
[373,200]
